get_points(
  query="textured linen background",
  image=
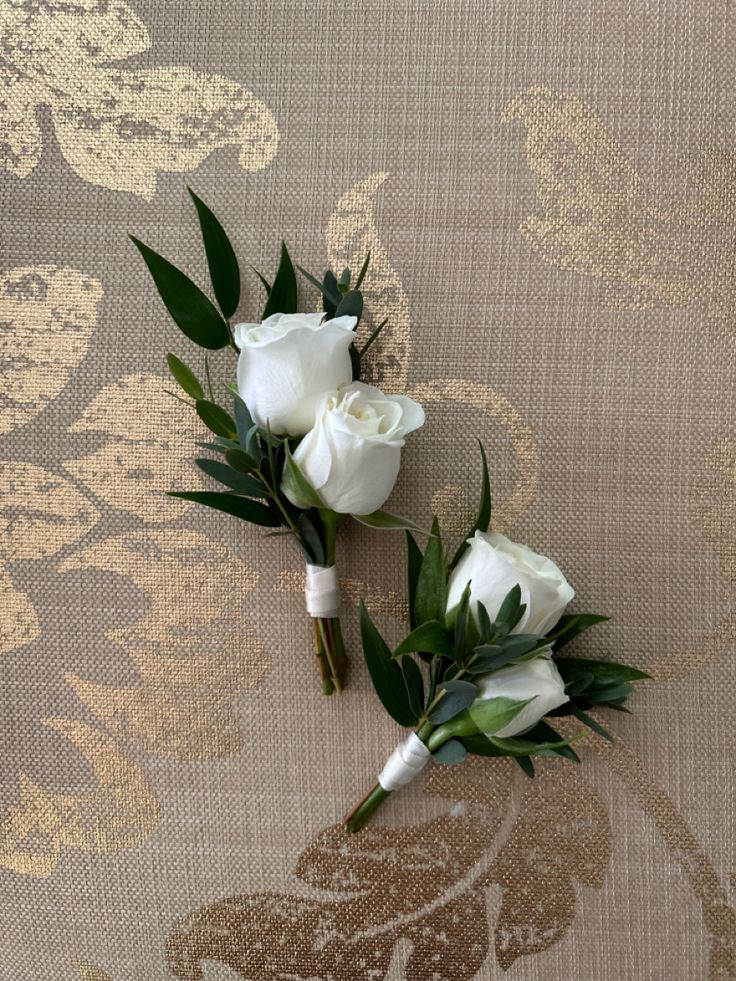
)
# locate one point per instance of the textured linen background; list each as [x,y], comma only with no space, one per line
[548,190]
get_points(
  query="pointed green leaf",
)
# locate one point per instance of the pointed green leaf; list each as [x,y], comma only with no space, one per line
[572,624]
[386,675]
[363,271]
[245,427]
[604,672]
[294,477]
[283,295]
[430,601]
[526,765]
[389,522]
[239,482]
[526,747]
[414,684]
[221,260]
[311,539]
[590,722]
[483,520]
[431,637]
[239,507]
[241,461]
[490,715]
[375,334]
[216,419]
[331,295]
[184,377]
[413,565]
[193,313]
[512,609]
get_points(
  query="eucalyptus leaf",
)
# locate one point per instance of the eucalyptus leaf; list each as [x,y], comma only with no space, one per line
[239,507]
[331,295]
[363,271]
[450,753]
[245,427]
[221,260]
[283,295]
[184,377]
[239,482]
[572,624]
[241,461]
[457,696]
[193,313]
[327,289]
[216,419]
[511,609]
[386,675]
[603,672]
[374,335]
[350,305]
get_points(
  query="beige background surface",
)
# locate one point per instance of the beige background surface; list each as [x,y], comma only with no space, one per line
[548,191]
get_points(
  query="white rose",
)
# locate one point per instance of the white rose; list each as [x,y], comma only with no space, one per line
[537,679]
[287,362]
[351,457]
[493,565]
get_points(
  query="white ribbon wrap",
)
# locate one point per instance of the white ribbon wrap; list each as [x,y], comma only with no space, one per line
[322,591]
[408,759]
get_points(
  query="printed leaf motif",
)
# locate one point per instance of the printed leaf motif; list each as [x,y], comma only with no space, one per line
[123,126]
[40,512]
[47,315]
[120,813]
[351,233]
[144,455]
[18,621]
[598,216]
[424,887]
[193,659]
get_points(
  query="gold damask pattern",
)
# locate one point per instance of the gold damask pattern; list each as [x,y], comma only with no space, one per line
[116,127]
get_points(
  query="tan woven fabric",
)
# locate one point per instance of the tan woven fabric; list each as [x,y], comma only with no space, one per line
[548,191]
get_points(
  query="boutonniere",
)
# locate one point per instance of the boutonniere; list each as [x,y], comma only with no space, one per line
[483,670]
[299,443]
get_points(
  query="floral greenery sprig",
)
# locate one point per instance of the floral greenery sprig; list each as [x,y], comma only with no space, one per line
[299,443]
[481,668]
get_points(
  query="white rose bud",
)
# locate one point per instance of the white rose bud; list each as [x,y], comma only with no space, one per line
[493,565]
[537,679]
[287,362]
[351,457]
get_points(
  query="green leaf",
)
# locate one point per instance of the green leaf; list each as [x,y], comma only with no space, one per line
[351,305]
[331,295]
[212,447]
[542,732]
[239,482]
[413,565]
[266,284]
[518,644]
[242,462]
[355,362]
[430,600]
[572,624]
[512,609]
[590,722]
[431,637]
[480,745]
[223,266]
[414,683]
[389,522]
[216,419]
[483,520]
[526,747]
[239,507]
[386,675]
[363,271]
[609,693]
[184,377]
[490,715]
[450,753]
[458,695]
[375,334]
[283,295]
[526,765]
[193,313]
[245,427]
[311,539]
[484,621]
[294,476]
[327,289]
[604,672]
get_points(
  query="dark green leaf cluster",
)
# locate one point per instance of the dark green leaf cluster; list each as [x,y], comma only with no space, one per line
[431,678]
[250,462]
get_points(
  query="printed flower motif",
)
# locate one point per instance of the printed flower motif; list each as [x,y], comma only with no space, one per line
[116,127]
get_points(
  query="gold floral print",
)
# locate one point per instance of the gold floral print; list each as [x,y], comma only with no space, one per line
[116,127]
[599,217]
[47,315]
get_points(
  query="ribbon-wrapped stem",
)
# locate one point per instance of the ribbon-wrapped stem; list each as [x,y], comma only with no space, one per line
[322,596]
[407,760]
